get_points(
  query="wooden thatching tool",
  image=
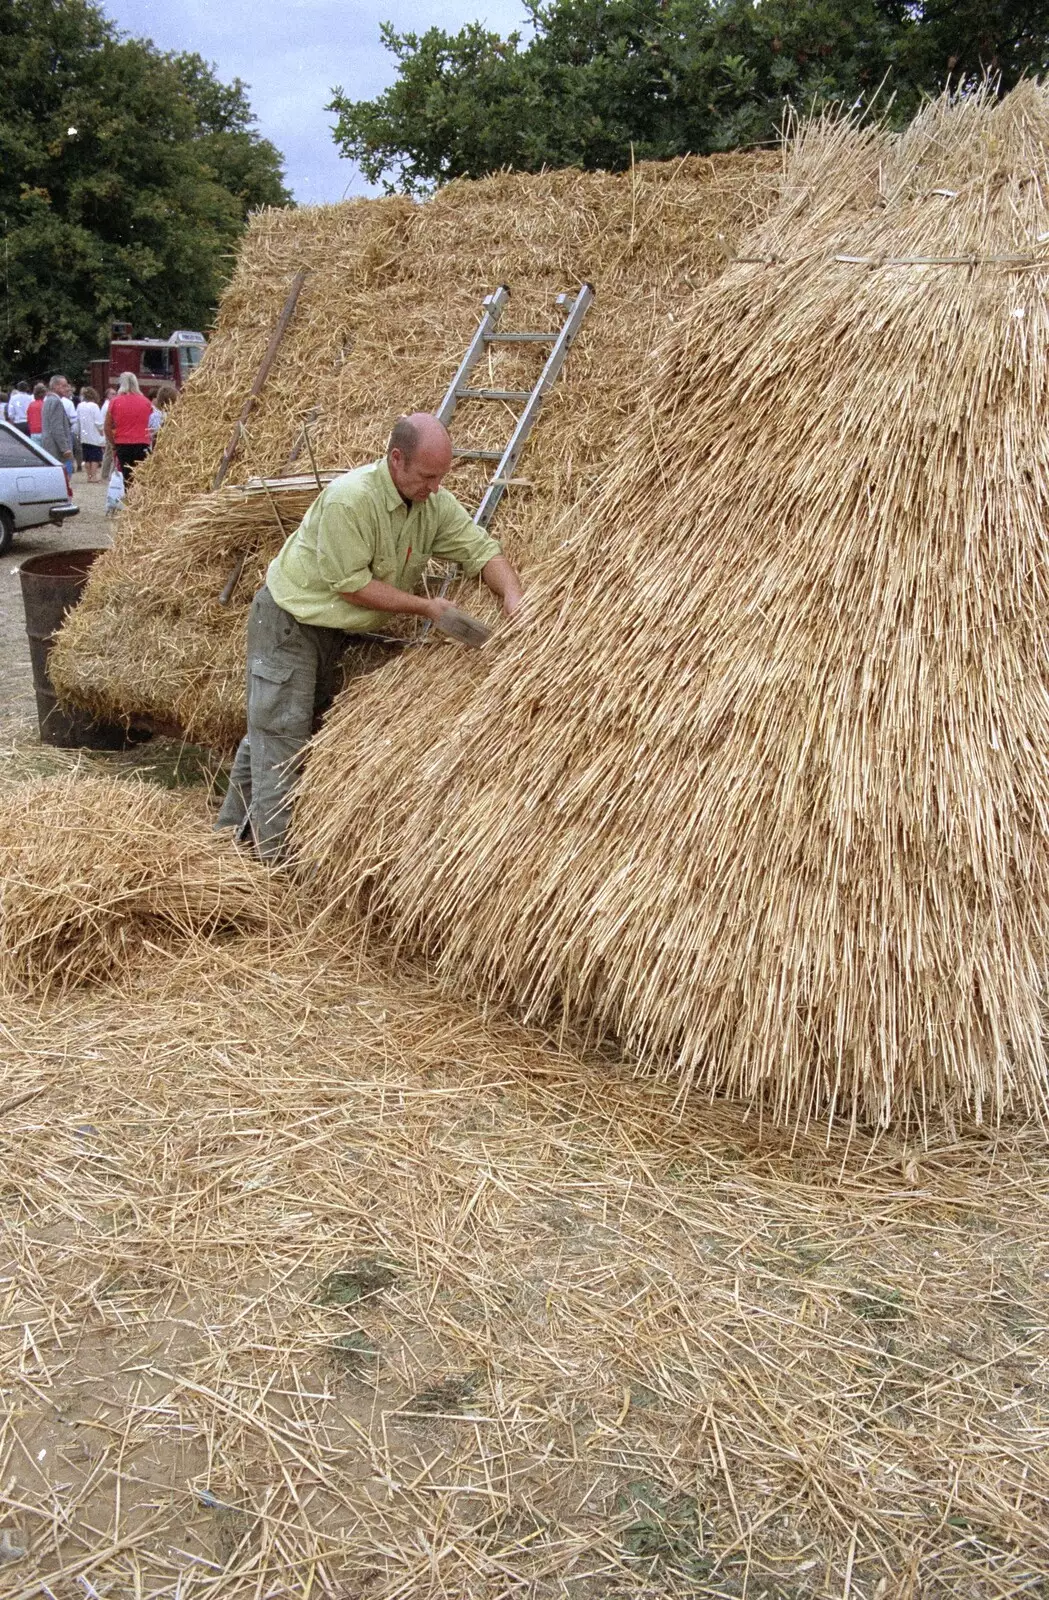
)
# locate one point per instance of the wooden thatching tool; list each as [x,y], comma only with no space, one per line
[226,592]
[260,377]
[463,628]
[296,449]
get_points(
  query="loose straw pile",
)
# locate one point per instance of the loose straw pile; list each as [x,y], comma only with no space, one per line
[96,868]
[759,783]
[392,299]
[315,1284]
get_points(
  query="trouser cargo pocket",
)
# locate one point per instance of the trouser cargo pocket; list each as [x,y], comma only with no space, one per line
[276,702]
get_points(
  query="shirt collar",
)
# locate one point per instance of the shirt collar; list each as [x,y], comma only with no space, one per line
[391,497]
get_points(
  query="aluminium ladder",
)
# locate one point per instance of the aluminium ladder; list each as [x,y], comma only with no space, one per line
[574,308]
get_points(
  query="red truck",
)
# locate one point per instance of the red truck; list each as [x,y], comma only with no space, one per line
[153,361]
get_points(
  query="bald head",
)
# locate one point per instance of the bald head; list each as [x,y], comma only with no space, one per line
[419,455]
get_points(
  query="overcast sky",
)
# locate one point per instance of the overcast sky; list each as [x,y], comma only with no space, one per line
[292,53]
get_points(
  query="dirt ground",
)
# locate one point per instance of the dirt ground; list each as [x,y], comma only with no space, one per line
[90,528]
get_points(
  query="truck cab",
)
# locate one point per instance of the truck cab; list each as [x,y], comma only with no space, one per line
[153,361]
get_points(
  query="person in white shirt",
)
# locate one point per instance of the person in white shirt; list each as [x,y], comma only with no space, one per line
[92,437]
[163,400]
[18,406]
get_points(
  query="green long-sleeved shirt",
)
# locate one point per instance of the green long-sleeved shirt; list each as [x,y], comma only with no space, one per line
[359,528]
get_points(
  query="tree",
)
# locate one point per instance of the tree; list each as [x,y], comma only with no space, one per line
[230,151]
[126,176]
[602,80]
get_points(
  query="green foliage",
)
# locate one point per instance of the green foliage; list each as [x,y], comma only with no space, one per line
[878,1305]
[354,1353]
[664,1529]
[356,1281]
[126,176]
[600,79]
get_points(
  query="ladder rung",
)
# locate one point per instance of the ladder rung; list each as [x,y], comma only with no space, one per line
[493,394]
[479,455]
[519,338]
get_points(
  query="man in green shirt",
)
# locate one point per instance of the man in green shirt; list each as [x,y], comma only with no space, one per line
[357,556]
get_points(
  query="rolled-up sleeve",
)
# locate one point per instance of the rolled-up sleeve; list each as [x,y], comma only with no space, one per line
[345,546]
[460,539]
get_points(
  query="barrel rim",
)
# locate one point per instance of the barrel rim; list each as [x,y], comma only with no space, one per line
[73,563]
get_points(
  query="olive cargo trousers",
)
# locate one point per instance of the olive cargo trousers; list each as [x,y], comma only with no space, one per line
[291,677]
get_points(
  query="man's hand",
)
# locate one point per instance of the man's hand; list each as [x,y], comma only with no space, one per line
[438,608]
[500,577]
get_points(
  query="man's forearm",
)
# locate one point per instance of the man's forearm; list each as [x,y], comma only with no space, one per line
[379,596]
[500,577]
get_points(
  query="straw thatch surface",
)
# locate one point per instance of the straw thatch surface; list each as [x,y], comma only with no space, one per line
[392,299]
[94,869]
[317,1286]
[759,781]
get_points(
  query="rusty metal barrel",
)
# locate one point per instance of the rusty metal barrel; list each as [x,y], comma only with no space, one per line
[51,586]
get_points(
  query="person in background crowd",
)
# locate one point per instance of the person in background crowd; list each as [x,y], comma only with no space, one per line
[35,414]
[163,400]
[92,438]
[127,425]
[107,458]
[18,405]
[69,406]
[57,437]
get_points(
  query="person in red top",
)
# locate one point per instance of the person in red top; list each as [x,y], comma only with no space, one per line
[127,425]
[35,415]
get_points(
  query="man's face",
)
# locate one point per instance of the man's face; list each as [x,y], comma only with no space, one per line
[420,477]
[64,388]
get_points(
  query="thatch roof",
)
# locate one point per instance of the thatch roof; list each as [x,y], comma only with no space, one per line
[759,780]
[392,298]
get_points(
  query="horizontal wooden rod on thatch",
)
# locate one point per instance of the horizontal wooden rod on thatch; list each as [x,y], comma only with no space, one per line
[1013,262]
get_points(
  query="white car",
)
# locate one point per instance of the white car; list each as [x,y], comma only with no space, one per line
[33,486]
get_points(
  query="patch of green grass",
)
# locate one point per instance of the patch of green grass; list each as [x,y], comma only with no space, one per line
[168,763]
[664,1529]
[878,1304]
[354,1353]
[357,1280]
[174,765]
[450,1394]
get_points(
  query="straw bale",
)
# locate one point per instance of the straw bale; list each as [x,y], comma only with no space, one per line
[758,781]
[97,868]
[318,1285]
[392,299]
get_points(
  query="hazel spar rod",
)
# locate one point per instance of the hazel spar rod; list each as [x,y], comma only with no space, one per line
[260,377]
